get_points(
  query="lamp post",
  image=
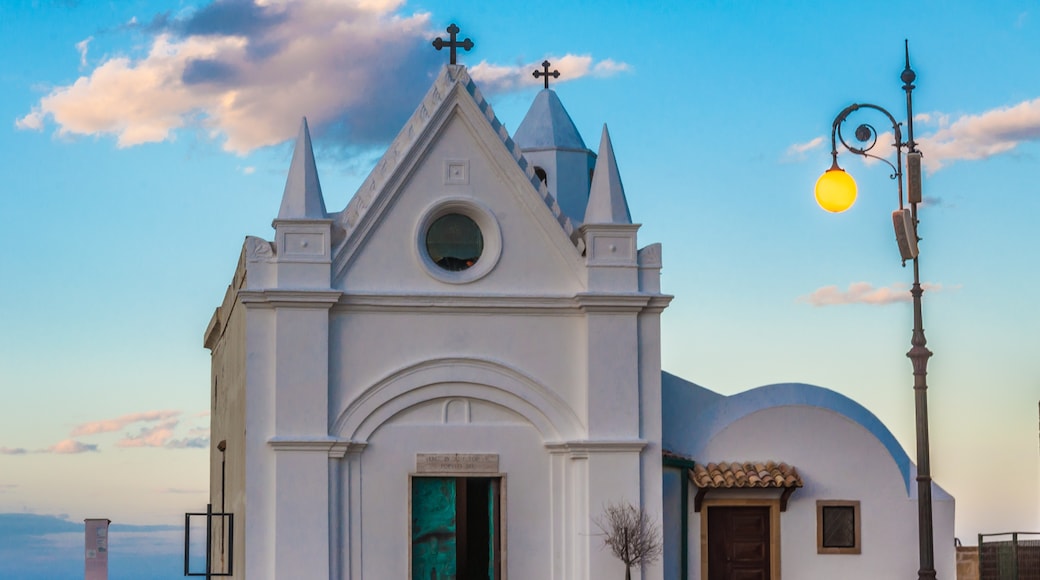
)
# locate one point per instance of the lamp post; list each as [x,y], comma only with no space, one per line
[836,192]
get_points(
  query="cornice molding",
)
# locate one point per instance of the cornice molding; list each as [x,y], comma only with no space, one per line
[335,448]
[658,303]
[505,304]
[289,298]
[617,303]
[593,446]
[457,303]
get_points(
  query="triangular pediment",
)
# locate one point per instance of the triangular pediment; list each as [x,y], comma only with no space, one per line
[455,147]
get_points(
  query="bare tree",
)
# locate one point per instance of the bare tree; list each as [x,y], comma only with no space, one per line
[631,535]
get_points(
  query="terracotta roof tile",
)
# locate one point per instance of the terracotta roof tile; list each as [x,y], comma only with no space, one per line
[748,474]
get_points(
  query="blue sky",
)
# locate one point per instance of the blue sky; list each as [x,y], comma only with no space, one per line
[144,140]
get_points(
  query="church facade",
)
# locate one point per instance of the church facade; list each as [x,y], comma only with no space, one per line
[455,374]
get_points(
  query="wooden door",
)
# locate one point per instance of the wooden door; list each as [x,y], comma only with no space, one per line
[738,543]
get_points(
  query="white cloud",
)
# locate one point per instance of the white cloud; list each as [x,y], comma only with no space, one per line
[245,71]
[499,79]
[799,149]
[973,137]
[863,293]
[957,138]
[82,47]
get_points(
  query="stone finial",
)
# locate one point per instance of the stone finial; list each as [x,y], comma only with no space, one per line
[302,198]
[607,203]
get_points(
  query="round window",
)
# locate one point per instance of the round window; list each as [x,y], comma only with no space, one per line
[454,242]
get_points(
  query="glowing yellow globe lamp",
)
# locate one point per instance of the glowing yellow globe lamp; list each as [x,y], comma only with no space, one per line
[835,190]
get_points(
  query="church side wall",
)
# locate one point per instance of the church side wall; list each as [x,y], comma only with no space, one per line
[228,380]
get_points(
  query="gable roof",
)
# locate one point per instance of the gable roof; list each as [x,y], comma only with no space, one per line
[548,126]
[452,86]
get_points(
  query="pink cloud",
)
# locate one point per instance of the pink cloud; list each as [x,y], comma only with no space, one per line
[863,293]
[12,451]
[110,425]
[246,80]
[154,436]
[69,447]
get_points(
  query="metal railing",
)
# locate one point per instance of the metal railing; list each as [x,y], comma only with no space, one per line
[1009,556]
[224,552]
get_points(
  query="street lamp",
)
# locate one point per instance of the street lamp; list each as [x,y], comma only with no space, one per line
[836,192]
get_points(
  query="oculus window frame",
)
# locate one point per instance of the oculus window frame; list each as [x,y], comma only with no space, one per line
[490,232]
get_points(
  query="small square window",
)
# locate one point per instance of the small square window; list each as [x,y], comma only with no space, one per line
[837,527]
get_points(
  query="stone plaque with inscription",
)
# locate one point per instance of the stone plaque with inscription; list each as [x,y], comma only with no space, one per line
[456,463]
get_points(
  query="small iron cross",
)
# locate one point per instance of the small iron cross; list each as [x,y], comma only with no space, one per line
[452,44]
[545,67]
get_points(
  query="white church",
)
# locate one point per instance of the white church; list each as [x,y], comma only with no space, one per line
[454,375]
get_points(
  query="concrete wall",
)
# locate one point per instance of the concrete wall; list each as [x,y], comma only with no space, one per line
[838,459]
[226,340]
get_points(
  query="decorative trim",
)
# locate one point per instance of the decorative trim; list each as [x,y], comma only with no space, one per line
[619,303]
[488,380]
[457,303]
[658,303]
[336,448]
[598,446]
[258,250]
[214,330]
[456,463]
[451,303]
[456,172]
[649,256]
[275,298]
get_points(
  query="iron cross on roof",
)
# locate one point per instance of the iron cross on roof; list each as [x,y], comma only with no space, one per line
[439,43]
[545,67]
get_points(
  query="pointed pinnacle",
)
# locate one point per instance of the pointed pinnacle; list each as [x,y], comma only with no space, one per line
[607,202]
[302,198]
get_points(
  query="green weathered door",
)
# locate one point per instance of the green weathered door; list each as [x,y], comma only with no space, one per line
[434,536]
[455,528]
